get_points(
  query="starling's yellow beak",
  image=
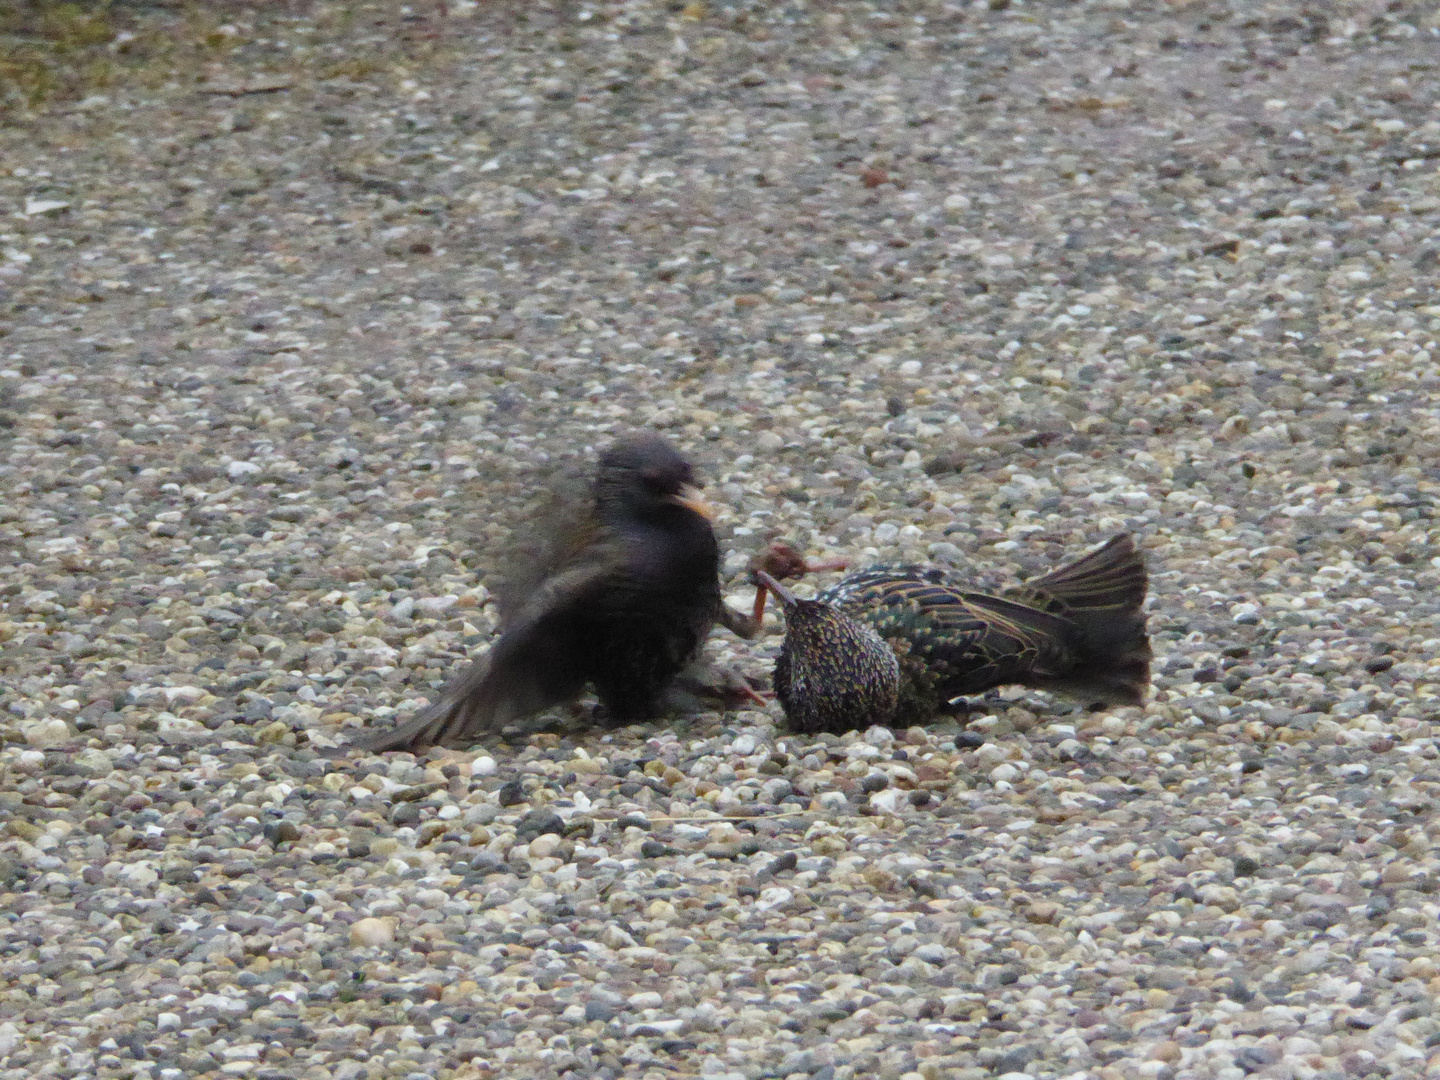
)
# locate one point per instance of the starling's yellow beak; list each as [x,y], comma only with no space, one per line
[689,497]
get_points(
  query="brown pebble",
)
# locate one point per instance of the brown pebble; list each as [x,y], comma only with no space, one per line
[372,932]
[1043,912]
[1396,873]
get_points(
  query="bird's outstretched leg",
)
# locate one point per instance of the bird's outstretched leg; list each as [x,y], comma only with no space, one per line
[757,697]
[783,562]
[710,682]
[738,622]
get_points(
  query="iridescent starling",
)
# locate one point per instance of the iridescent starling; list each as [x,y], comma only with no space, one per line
[621,599]
[893,645]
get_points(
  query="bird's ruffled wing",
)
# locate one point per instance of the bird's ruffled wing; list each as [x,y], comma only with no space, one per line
[963,639]
[555,531]
[525,671]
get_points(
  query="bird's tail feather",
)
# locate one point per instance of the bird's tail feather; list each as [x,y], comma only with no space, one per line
[1110,577]
[467,703]
[505,684]
[1102,594]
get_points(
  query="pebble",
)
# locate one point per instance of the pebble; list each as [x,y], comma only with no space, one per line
[369,932]
[48,734]
[281,832]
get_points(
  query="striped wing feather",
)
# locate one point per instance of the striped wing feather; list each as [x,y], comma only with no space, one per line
[962,641]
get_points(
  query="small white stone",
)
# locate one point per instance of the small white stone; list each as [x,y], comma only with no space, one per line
[139,874]
[773,897]
[887,801]
[43,206]
[1004,771]
[1307,963]
[167,1021]
[403,609]
[482,766]
[237,469]
[542,847]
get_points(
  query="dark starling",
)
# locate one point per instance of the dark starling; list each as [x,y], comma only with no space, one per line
[622,600]
[894,645]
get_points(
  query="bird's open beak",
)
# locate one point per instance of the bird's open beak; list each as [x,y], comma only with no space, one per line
[689,497]
[784,595]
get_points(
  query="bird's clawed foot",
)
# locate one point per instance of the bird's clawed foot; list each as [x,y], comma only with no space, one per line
[761,698]
[783,562]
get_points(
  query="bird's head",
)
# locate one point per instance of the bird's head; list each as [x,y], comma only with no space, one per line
[643,474]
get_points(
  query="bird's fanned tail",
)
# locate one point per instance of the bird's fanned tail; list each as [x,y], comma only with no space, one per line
[1101,595]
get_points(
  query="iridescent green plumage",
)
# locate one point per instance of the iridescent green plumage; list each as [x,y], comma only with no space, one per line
[1078,630]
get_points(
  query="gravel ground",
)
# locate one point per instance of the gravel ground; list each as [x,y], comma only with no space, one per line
[283,355]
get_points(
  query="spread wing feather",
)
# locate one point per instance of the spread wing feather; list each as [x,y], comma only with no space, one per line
[522,673]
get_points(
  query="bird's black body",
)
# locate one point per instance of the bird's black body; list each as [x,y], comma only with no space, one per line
[1078,630]
[621,601]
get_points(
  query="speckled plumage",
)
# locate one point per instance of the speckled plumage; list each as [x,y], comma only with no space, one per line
[621,601]
[1078,630]
[831,667]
